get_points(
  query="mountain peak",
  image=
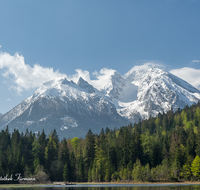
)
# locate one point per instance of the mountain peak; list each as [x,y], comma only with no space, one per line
[85,85]
[117,82]
[67,82]
[64,81]
[139,74]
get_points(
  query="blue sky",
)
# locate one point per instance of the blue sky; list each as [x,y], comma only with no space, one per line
[46,39]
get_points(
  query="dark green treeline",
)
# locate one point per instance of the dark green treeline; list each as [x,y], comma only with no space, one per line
[163,148]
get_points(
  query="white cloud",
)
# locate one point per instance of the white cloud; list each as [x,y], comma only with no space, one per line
[153,63]
[102,77]
[0,46]
[23,75]
[8,99]
[188,74]
[79,73]
[195,61]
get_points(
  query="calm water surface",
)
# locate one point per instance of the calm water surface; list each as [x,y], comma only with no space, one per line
[116,187]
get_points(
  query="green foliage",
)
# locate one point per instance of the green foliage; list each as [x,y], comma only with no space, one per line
[75,142]
[137,171]
[147,146]
[50,153]
[161,172]
[146,173]
[89,150]
[41,176]
[36,164]
[63,154]
[195,167]
[184,118]
[66,172]
[80,169]
[186,171]
[56,171]
[162,148]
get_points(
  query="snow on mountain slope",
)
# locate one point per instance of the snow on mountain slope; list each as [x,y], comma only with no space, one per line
[66,106]
[115,84]
[157,91]
[110,101]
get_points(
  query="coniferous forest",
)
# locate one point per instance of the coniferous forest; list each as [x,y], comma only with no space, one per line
[164,148]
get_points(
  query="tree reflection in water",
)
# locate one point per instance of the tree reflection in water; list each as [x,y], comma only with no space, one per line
[135,187]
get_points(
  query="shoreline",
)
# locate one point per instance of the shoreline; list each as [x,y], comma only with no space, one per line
[100,183]
[139,183]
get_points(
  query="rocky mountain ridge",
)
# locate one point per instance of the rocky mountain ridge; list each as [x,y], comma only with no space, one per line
[72,108]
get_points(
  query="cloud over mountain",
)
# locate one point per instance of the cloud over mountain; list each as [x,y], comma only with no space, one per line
[188,74]
[23,76]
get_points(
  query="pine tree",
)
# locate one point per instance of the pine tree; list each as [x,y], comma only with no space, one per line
[51,153]
[66,172]
[75,142]
[43,143]
[72,167]
[190,143]
[126,143]
[64,152]
[197,150]
[136,151]
[89,150]
[80,169]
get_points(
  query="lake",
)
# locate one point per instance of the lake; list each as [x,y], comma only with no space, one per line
[115,187]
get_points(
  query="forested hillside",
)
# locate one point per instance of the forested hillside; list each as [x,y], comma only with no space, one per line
[163,148]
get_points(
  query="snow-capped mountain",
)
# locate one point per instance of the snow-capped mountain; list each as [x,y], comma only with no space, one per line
[157,91]
[68,107]
[72,108]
